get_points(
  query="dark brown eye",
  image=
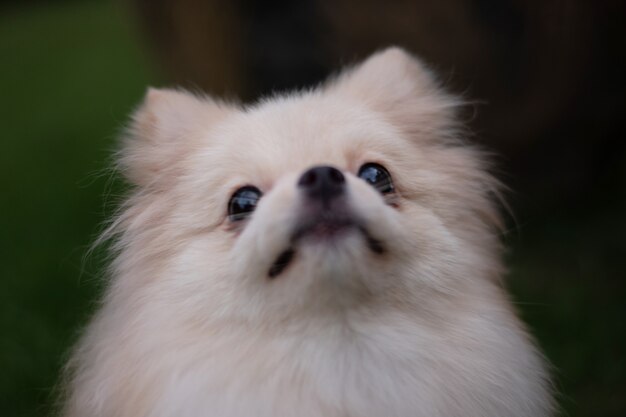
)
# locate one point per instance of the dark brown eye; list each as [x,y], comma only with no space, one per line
[377,176]
[243,202]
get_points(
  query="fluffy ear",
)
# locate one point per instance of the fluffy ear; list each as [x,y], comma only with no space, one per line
[162,130]
[397,84]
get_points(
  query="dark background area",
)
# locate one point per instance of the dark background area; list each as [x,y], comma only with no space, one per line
[547,75]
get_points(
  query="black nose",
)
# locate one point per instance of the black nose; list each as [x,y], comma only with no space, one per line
[322,182]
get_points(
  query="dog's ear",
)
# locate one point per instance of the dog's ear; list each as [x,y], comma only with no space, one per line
[397,84]
[165,127]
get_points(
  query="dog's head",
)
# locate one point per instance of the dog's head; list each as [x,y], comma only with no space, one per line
[357,193]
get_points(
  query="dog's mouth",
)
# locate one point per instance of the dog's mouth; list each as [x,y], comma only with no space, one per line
[323,229]
[326,226]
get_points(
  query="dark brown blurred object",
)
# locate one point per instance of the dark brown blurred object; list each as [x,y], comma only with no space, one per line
[549,73]
[197,43]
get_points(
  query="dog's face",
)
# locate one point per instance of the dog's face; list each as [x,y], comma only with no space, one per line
[355,195]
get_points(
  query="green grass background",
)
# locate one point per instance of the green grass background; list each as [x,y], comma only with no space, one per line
[69,75]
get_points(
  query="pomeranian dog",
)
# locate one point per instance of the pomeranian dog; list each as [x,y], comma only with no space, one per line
[332,252]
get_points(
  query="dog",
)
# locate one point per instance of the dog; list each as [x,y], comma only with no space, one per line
[329,252]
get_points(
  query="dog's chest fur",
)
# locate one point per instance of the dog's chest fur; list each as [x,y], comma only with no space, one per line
[400,368]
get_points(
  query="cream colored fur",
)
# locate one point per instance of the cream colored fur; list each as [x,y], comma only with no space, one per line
[191,325]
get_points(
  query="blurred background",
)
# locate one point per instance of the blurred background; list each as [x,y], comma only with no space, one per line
[548,76]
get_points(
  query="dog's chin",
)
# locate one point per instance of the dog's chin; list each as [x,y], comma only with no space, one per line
[325,235]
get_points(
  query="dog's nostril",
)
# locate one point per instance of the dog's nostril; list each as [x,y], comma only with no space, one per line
[322,182]
[335,175]
[308,178]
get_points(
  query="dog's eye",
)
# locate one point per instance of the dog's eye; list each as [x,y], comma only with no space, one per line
[243,202]
[377,176]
